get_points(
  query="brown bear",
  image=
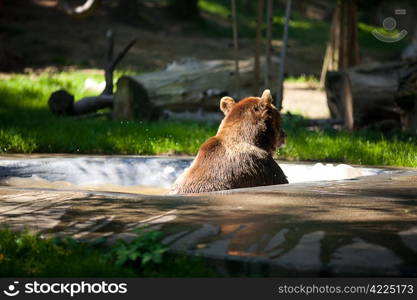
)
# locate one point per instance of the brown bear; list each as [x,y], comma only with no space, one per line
[240,155]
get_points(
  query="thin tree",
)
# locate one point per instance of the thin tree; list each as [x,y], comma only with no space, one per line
[235,46]
[258,45]
[268,48]
[280,85]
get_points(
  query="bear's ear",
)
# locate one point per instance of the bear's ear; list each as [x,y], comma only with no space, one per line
[267,97]
[226,104]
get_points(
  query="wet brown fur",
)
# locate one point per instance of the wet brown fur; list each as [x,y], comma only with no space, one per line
[240,155]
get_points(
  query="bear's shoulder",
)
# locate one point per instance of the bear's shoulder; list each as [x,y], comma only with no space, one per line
[207,158]
[200,176]
[211,146]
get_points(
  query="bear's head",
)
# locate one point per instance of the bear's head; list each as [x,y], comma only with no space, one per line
[252,120]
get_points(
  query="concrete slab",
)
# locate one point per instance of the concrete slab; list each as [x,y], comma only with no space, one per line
[362,227]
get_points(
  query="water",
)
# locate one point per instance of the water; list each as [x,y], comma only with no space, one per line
[148,175]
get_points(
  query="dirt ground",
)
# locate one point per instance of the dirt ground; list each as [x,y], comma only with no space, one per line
[305,99]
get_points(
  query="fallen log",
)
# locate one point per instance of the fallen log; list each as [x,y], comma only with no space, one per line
[406,99]
[363,95]
[190,85]
[62,103]
[131,101]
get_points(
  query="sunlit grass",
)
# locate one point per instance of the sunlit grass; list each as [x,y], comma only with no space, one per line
[27,126]
[301,24]
[362,147]
[302,78]
[214,8]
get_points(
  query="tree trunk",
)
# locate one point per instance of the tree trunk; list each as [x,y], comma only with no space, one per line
[364,95]
[280,83]
[268,48]
[410,52]
[258,44]
[235,48]
[92,104]
[342,50]
[406,97]
[131,101]
[62,103]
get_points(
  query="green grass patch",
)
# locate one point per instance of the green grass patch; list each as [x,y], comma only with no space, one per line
[218,9]
[25,254]
[361,147]
[30,255]
[303,78]
[27,126]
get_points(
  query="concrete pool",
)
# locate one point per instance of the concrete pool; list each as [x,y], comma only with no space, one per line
[141,174]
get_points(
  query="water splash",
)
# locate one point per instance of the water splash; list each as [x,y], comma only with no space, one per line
[148,171]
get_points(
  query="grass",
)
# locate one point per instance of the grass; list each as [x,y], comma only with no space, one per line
[26,126]
[303,78]
[26,254]
[361,147]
